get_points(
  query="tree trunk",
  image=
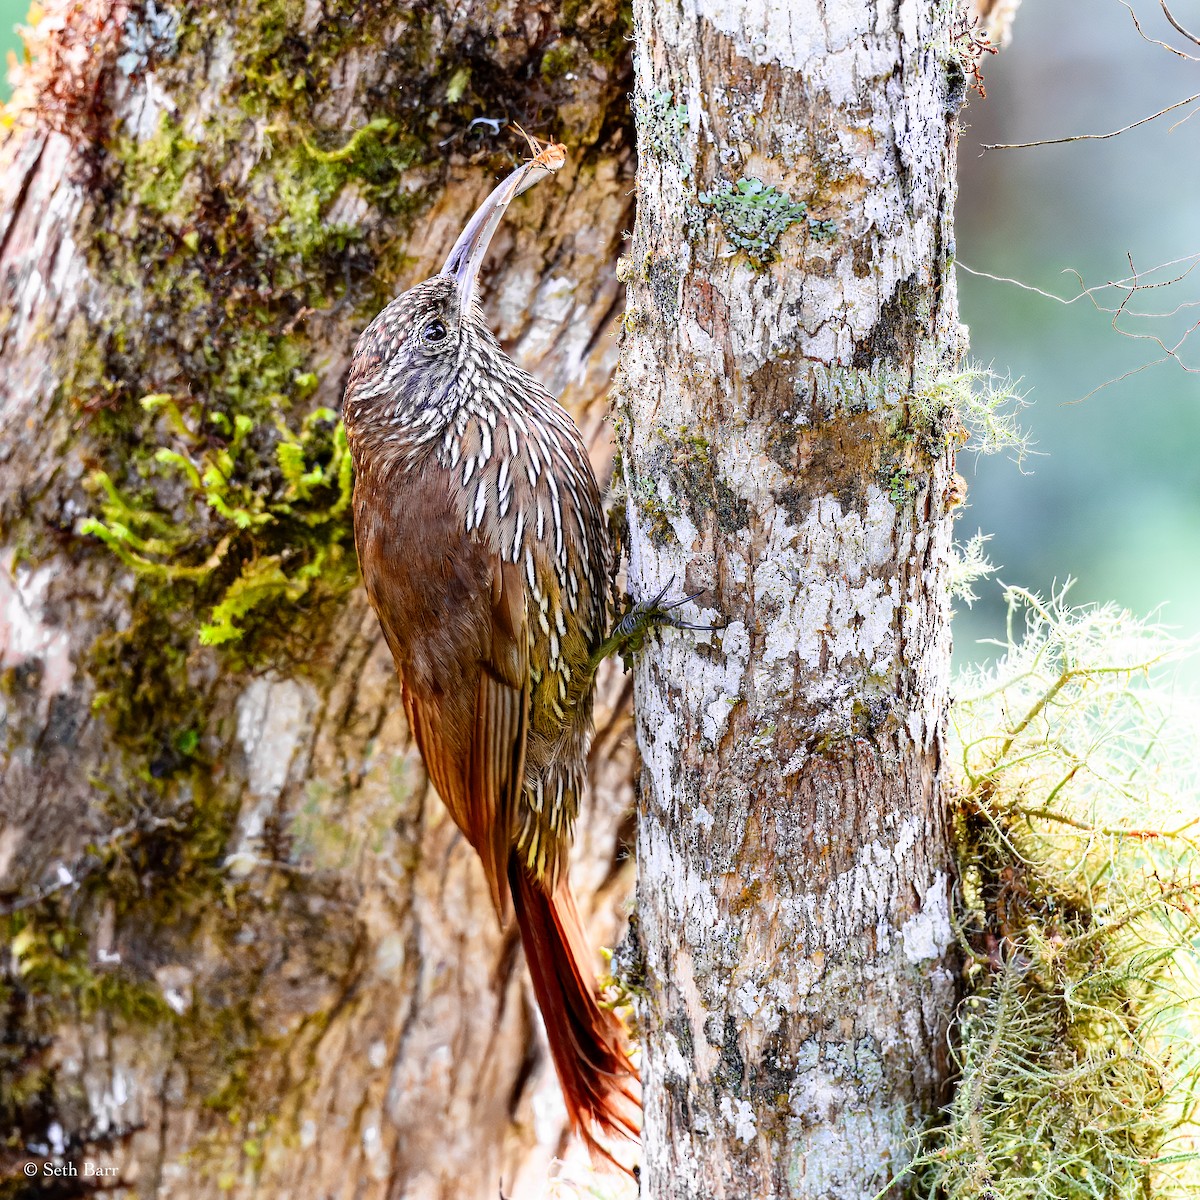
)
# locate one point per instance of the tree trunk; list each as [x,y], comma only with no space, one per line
[786,455]
[249,954]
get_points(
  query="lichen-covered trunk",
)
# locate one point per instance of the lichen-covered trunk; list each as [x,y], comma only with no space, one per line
[246,951]
[791,304]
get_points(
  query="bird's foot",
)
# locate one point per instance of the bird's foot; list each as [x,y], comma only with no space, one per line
[642,617]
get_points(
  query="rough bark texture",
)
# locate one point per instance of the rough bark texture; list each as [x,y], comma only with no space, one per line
[786,452]
[248,952]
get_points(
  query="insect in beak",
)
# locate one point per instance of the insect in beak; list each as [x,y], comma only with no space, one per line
[467,256]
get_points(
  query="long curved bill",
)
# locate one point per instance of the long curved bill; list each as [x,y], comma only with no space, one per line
[467,256]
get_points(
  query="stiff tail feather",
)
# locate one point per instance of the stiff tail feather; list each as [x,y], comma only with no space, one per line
[587,1042]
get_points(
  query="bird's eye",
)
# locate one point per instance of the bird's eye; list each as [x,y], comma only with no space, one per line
[435,331]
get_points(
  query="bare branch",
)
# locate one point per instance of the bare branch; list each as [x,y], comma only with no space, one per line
[1093,137]
[1141,284]
[1191,37]
[1184,120]
[1154,41]
[1133,284]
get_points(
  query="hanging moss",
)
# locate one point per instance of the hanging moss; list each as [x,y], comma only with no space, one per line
[971,405]
[1077,1042]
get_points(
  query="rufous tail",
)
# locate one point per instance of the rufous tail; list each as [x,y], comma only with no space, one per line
[587,1042]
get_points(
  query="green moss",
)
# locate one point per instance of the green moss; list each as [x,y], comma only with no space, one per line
[218,479]
[656,511]
[657,515]
[225,1039]
[276,529]
[210,492]
[626,983]
[194,494]
[52,982]
[902,466]
[606,31]
[162,165]
[51,960]
[691,470]
[558,60]
[1077,911]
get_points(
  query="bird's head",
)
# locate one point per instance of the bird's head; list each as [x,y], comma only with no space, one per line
[409,359]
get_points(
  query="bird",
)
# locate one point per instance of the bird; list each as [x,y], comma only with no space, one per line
[483,547]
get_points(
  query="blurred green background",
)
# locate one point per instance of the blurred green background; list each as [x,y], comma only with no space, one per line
[1113,497]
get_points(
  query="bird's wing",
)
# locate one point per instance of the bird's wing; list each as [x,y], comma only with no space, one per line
[475,752]
[496,764]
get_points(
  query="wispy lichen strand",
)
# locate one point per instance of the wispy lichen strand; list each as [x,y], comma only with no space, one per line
[1079,1048]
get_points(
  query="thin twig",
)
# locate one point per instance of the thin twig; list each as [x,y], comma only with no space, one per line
[1191,37]
[1154,41]
[1061,818]
[1137,281]
[1092,137]
[1089,293]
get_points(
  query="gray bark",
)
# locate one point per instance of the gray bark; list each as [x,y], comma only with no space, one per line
[780,455]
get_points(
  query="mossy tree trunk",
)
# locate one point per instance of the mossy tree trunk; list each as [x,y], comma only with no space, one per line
[246,951]
[791,300]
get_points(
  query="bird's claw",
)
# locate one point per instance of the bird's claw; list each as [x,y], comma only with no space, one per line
[644,615]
